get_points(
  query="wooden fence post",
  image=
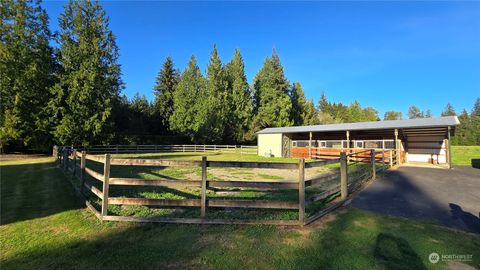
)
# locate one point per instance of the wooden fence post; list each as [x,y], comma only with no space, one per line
[203,200]
[106,179]
[65,159]
[372,160]
[82,170]
[74,162]
[343,175]
[301,191]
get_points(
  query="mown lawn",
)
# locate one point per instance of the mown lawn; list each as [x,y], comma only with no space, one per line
[463,155]
[43,228]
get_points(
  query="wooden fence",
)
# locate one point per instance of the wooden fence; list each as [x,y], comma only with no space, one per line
[125,149]
[75,162]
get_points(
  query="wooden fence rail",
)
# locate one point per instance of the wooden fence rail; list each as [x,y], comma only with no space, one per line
[68,159]
[125,149]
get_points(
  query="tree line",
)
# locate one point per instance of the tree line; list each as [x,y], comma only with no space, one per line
[71,92]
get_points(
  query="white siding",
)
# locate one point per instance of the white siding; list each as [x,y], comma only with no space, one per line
[270,144]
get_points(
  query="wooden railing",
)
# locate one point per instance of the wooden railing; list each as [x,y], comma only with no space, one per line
[119,149]
[76,162]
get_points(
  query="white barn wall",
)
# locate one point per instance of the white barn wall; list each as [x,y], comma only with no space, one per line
[270,144]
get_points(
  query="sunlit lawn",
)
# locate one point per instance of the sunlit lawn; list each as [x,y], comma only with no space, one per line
[463,155]
[43,228]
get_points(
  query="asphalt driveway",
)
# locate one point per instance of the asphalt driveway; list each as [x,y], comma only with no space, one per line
[451,197]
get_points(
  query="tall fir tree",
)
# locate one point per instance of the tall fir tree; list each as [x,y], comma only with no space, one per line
[89,81]
[449,110]
[189,114]
[215,100]
[476,108]
[299,103]
[166,81]
[239,102]
[309,116]
[27,66]
[272,104]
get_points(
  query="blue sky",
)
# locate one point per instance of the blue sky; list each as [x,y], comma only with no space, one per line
[388,55]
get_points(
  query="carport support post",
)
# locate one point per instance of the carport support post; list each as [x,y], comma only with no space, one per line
[301,191]
[106,179]
[372,160]
[449,148]
[343,175]
[203,199]
[397,147]
[310,145]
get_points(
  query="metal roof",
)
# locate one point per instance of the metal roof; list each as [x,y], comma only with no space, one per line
[389,124]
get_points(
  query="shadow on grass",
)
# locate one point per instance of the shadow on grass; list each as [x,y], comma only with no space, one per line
[395,253]
[146,246]
[31,191]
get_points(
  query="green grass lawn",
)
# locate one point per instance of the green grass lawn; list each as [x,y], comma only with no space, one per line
[194,173]
[43,228]
[463,155]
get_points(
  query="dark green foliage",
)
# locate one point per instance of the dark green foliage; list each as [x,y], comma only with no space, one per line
[89,81]
[239,102]
[329,113]
[165,84]
[303,110]
[272,105]
[392,115]
[476,108]
[189,114]
[26,68]
[214,101]
[468,132]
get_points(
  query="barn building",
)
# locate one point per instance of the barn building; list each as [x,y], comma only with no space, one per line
[425,140]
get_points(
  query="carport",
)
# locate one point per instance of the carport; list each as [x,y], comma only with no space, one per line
[423,140]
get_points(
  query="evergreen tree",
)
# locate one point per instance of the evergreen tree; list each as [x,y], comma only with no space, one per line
[298,103]
[26,74]
[476,108]
[309,116]
[165,84]
[189,114]
[428,114]
[449,110]
[414,112]
[239,101]
[323,104]
[89,81]
[140,111]
[392,115]
[272,104]
[216,105]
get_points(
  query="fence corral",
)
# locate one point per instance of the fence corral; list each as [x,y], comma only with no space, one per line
[309,193]
[126,149]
